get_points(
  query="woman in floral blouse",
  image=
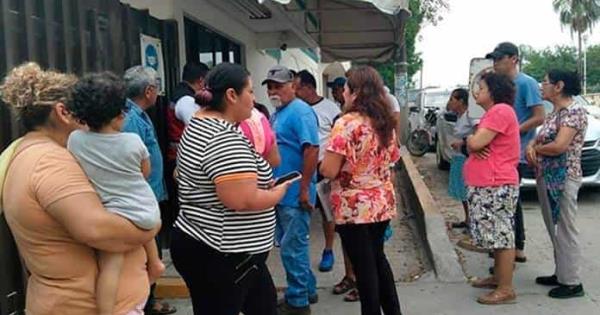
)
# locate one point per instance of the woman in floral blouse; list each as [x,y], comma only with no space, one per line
[362,147]
[556,152]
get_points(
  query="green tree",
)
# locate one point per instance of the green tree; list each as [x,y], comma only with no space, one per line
[429,11]
[537,62]
[580,16]
[593,69]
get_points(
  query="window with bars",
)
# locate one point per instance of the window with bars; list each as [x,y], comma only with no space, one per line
[209,47]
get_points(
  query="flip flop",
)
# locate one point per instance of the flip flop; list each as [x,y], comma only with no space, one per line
[498,297]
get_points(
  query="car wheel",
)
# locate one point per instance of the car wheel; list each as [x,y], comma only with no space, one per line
[442,164]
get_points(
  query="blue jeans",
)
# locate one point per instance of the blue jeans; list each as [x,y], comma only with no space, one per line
[292,232]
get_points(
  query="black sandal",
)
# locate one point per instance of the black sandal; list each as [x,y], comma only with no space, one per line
[344,286]
[460,225]
[352,295]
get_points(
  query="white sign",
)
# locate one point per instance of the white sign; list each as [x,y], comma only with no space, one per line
[152,56]
[478,67]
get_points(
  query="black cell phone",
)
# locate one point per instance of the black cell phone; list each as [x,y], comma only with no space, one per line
[291,176]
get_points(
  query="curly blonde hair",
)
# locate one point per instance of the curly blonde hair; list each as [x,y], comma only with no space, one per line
[32,92]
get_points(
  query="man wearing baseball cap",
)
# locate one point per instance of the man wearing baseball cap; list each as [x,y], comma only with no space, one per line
[296,128]
[530,113]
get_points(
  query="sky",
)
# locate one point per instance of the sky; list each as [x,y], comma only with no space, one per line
[472,28]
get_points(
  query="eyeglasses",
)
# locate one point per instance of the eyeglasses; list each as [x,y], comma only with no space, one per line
[546,82]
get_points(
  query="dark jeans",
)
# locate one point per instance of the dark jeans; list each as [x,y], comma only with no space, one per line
[374,278]
[216,286]
[169,214]
[519,223]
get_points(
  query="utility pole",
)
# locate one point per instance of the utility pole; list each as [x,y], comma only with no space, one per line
[400,85]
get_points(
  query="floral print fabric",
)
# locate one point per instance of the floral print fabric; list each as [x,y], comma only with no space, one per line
[573,117]
[491,215]
[363,191]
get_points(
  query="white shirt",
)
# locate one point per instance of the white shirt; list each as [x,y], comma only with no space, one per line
[326,111]
[185,108]
[392,100]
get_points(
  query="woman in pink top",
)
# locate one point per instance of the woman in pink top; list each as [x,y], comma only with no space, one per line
[258,130]
[493,183]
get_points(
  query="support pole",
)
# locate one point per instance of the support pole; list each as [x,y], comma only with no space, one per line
[400,89]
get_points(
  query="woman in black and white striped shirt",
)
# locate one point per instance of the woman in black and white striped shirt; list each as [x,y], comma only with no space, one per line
[225,227]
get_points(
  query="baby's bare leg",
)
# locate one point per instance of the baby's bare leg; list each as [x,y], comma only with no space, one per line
[108,281]
[155,265]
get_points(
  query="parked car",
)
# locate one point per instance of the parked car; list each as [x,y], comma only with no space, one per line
[590,156]
[445,129]
[590,159]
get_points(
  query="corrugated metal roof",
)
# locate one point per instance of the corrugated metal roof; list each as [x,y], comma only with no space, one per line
[357,30]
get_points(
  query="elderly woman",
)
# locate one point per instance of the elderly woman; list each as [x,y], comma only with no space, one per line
[44,193]
[362,149]
[493,183]
[556,151]
[225,227]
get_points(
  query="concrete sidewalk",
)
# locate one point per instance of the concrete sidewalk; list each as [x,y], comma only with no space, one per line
[532,298]
[404,252]
[427,296]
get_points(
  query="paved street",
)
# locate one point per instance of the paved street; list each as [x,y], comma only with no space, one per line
[426,296]
[532,298]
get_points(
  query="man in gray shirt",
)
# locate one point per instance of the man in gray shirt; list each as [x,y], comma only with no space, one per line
[327,112]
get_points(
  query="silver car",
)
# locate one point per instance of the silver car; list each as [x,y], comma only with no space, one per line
[590,157]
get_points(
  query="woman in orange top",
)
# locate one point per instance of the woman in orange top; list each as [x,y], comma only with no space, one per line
[53,211]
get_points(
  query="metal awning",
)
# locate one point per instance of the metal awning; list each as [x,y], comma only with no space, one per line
[357,30]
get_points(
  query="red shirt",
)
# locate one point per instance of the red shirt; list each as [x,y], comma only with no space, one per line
[500,168]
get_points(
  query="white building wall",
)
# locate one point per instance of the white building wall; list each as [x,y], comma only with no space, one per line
[203,12]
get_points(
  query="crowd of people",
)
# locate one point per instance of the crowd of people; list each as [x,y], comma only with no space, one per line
[91,145]
[490,156]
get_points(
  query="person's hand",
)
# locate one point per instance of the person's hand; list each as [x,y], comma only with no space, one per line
[482,154]
[155,270]
[456,145]
[531,155]
[303,200]
[280,189]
